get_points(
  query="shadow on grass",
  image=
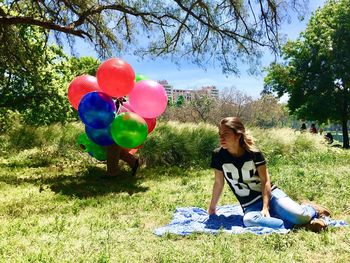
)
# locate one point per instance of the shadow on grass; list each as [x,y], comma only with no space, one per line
[91,183]
[95,183]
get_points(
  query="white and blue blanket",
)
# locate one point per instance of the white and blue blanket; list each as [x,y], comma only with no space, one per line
[229,219]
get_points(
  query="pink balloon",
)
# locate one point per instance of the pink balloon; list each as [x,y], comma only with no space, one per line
[116,77]
[148,99]
[80,86]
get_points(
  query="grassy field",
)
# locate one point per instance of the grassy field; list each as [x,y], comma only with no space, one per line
[58,207]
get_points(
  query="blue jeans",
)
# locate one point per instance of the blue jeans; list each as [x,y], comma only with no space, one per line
[284,212]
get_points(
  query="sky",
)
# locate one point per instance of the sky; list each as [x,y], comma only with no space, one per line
[190,76]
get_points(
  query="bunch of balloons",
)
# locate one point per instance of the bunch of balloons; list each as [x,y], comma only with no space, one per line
[116,107]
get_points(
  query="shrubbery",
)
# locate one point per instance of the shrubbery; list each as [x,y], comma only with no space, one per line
[286,144]
[44,142]
[180,144]
[9,120]
[185,144]
[170,144]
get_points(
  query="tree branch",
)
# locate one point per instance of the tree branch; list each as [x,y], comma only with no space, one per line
[215,28]
[44,24]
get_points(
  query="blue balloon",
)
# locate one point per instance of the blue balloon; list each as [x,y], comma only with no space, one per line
[97,110]
[99,136]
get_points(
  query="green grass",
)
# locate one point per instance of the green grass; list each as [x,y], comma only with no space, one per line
[56,206]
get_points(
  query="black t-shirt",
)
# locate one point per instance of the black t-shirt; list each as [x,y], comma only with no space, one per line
[241,174]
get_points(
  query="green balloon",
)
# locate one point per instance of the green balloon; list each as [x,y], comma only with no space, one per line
[129,130]
[140,77]
[96,151]
[83,142]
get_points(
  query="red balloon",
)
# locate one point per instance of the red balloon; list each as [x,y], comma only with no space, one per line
[80,86]
[151,124]
[116,77]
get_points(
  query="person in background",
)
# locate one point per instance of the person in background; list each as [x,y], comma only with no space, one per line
[329,137]
[116,153]
[303,127]
[321,131]
[313,128]
[244,168]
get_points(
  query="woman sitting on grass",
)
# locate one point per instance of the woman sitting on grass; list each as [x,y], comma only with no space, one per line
[244,168]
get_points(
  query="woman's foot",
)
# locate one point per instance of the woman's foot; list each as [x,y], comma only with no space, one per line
[321,210]
[316,225]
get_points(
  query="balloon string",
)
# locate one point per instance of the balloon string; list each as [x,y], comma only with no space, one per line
[119,103]
[119,109]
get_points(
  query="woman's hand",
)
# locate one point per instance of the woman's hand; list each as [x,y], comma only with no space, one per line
[212,210]
[217,189]
[265,189]
[265,212]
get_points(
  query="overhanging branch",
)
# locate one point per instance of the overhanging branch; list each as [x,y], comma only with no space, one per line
[44,24]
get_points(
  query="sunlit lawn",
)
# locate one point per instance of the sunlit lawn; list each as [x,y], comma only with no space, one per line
[69,212]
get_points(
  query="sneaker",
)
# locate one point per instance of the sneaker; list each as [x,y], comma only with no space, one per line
[316,225]
[134,168]
[321,210]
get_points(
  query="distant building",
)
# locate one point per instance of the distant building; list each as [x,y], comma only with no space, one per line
[188,94]
[211,91]
[168,88]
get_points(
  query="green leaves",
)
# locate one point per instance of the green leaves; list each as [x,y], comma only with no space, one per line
[223,32]
[37,88]
[316,72]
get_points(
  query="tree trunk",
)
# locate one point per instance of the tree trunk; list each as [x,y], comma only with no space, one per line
[345,116]
[345,133]
[113,155]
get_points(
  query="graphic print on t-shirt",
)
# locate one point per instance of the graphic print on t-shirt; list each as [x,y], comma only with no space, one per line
[242,180]
[241,174]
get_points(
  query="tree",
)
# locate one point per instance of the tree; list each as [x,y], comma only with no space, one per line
[180,101]
[236,101]
[82,65]
[37,89]
[267,112]
[225,32]
[316,73]
[201,106]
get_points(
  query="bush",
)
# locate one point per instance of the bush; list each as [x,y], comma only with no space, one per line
[180,144]
[47,142]
[9,120]
[171,143]
[286,145]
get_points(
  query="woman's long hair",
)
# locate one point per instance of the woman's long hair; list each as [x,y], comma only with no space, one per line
[246,141]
